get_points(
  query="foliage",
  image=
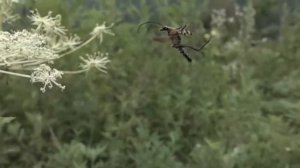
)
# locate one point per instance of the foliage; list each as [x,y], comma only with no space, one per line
[236,106]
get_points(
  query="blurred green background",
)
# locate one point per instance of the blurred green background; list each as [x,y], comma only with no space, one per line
[235,107]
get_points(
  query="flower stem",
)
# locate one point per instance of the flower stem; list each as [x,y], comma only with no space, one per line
[78,47]
[63,54]
[15,74]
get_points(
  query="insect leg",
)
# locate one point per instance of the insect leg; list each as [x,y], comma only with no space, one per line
[180,49]
[193,48]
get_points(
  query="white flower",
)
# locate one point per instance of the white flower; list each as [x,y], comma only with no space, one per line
[97,60]
[23,46]
[238,11]
[230,20]
[218,17]
[7,11]
[215,33]
[25,52]
[47,76]
[99,30]
[71,42]
[64,43]
[48,24]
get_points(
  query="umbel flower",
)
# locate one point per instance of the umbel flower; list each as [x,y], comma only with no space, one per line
[6,7]
[97,60]
[99,30]
[23,48]
[47,76]
[29,54]
[47,25]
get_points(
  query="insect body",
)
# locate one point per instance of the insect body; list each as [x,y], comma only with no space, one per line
[174,35]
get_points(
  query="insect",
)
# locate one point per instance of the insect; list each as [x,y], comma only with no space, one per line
[174,35]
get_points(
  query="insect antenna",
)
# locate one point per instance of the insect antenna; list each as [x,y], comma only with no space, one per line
[148,22]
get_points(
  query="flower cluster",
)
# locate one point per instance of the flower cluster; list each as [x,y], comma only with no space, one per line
[6,7]
[218,17]
[44,74]
[48,25]
[24,48]
[242,16]
[97,60]
[56,34]
[35,50]
[99,30]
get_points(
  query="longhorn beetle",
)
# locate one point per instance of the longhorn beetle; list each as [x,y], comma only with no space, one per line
[174,35]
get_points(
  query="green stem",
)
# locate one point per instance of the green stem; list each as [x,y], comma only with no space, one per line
[78,47]
[63,54]
[15,74]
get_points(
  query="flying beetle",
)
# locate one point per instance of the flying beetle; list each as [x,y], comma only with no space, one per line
[174,35]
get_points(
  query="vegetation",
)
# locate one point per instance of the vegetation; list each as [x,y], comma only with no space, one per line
[235,106]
